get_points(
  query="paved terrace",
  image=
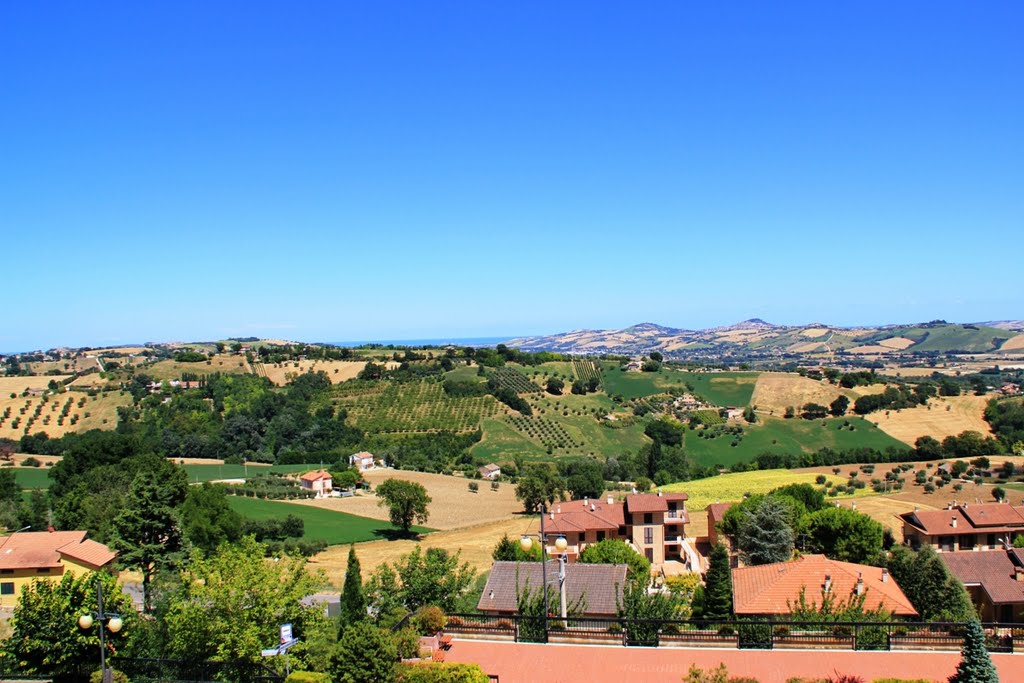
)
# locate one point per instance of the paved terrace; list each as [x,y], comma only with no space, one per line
[553,663]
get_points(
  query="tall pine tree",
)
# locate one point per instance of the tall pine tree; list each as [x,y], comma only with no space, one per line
[147,533]
[975,664]
[353,602]
[718,591]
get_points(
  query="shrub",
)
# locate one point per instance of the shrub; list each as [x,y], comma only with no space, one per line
[441,673]
[429,619]
[118,676]
[407,642]
[32,462]
[307,677]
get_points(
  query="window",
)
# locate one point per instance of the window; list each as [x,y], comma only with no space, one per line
[648,518]
[648,535]
[991,541]
[629,518]
[622,531]
[6,571]
[600,536]
[968,541]
[7,588]
[43,570]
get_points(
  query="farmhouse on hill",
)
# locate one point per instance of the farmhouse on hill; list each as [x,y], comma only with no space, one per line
[597,588]
[981,526]
[31,555]
[490,472]
[772,589]
[362,461]
[995,582]
[318,482]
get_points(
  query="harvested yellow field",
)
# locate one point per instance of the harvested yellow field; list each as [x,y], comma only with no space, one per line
[126,350]
[869,349]
[20,416]
[806,347]
[775,391]
[815,332]
[227,364]
[728,488]
[337,370]
[16,385]
[475,544]
[897,343]
[942,417]
[897,371]
[1013,344]
[452,503]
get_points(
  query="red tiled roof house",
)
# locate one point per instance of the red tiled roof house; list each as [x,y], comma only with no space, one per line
[772,589]
[319,482]
[47,555]
[995,582]
[981,526]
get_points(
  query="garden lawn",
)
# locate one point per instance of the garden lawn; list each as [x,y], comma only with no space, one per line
[779,435]
[320,524]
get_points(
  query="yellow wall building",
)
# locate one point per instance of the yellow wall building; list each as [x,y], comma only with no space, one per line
[46,555]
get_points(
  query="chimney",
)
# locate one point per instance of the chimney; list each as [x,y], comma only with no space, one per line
[659,492]
[952,522]
[853,505]
[611,501]
[559,509]
[860,583]
[828,583]
[592,507]
[1018,574]
[885,575]
[586,501]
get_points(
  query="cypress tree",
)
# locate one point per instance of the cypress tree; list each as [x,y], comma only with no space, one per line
[718,591]
[353,602]
[975,664]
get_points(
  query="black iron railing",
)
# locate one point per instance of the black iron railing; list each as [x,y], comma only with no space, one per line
[761,634]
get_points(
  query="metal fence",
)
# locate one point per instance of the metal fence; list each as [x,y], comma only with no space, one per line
[141,670]
[741,634]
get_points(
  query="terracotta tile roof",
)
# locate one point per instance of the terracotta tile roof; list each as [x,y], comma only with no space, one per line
[599,584]
[39,549]
[716,512]
[986,517]
[771,588]
[89,552]
[992,514]
[315,476]
[646,502]
[994,571]
[579,515]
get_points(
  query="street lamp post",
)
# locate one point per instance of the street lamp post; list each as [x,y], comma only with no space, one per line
[113,622]
[526,542]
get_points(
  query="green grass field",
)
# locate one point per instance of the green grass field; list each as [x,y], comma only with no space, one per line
[721,388]
[212,472]
[327,525]
[32,477]
[787,436]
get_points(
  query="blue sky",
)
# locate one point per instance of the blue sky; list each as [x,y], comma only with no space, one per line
[338,171]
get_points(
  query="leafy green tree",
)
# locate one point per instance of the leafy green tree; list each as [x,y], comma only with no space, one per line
[811,498]
[584,478]
[207,519]
[656,356]
[441,672]
[928,448]
[353,602]
[766,534]
[839,406]
[433,578]
[844,534]
[147,532]
[641,610]
[365,654]
[384,596]
[718,588]
[614,551]
[999,493]
[45,636]
[814,411]
[9,489]
[232,603]
[975,663]
[832,608]
[407,502]
[511,551]
[936,594]
[749,415]
[555,385]
[539,484]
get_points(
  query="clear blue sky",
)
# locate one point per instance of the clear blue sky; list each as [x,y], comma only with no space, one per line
[337,171]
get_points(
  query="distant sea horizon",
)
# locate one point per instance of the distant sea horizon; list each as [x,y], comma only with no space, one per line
[440,341]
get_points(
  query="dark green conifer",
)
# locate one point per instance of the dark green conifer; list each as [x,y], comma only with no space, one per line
[975,664]
[718,591]
[353,602]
